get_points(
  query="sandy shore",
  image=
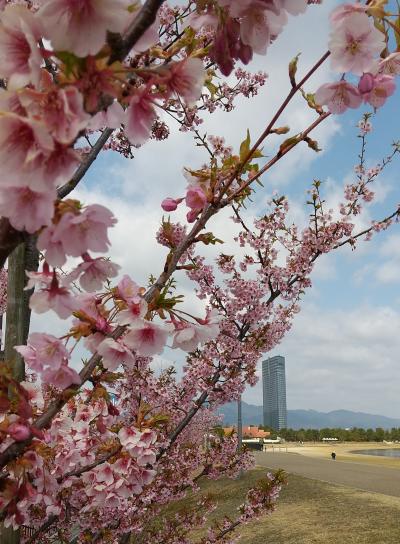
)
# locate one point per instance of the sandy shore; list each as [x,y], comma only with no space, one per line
[344,452]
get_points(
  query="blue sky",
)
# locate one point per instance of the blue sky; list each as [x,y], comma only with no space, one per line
[343,349]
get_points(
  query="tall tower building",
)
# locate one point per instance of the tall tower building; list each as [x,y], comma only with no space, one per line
[274,393]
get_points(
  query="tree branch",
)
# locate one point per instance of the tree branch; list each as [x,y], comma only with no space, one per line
[144,19]
[65,189]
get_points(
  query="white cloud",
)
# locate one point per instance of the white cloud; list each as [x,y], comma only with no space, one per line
[339,359]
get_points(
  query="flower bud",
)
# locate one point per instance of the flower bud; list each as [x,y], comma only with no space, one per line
[169,204]
[18,432]
[366,83]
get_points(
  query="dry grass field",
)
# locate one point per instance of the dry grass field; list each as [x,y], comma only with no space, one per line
[313,512]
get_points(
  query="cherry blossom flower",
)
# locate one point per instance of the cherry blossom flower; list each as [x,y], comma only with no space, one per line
[20,58]
[344,10]
[86,231]
[354,44]
[127,289]
[59,165]
[338,97]
[255,28]
[295,7]
[186,337]
[146,338]
[186,79]
[55,298]
[137,309]
[140,117]
[43,350]
[92,273]
[93,341]
[61,377]
[53,250]
[61,110]
[390,65]
[27,209]
[195,198]
[24,144]
[114,354]
[81,27]
[112,117]
[381,87]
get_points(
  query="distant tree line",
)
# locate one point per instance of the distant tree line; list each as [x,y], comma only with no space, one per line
[354,434]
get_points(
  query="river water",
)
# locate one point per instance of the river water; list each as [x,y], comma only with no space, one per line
[382,453]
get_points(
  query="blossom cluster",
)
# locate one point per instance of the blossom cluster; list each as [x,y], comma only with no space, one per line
[106,449]
[357,48]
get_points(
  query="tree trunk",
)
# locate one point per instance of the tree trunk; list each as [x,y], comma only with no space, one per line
[24,257]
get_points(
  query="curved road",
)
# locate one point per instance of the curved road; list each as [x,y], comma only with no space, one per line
[361,476]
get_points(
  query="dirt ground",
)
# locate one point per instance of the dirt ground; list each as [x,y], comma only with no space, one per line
[311,512]
[343,451]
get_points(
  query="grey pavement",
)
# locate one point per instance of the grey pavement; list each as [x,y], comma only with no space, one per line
[361,476]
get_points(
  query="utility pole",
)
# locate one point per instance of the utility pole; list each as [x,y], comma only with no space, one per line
[24,257]
[239,424]
[239,430]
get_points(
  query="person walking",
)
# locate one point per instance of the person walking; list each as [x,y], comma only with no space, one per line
[333,455]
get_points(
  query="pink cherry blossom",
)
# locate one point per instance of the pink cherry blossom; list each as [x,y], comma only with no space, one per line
[382,87]
[20,58]
[354,44]
[81,26]
[186,338]
[24,145]
[55,298]
[295,7]
[43,350]
[27,209]
[114,354]
[146,338]
[186,79]
[59,165]
[86,231]
[53,250]
[338,97]
[344,10]
[112,117]
[127,289]
[195,198]
[390,65]
[140,117]
[61,109]
[92,273]
[93,341]
[41,279]
[61,377]
[255,29]
[137,309]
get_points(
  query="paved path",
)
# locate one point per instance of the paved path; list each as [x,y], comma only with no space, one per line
[361,476]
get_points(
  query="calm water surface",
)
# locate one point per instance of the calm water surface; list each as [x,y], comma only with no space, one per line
[382,453]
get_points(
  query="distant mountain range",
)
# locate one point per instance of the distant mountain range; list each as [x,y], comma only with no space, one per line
[310,419]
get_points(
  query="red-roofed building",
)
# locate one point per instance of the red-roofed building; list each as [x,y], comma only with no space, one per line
[249,432]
